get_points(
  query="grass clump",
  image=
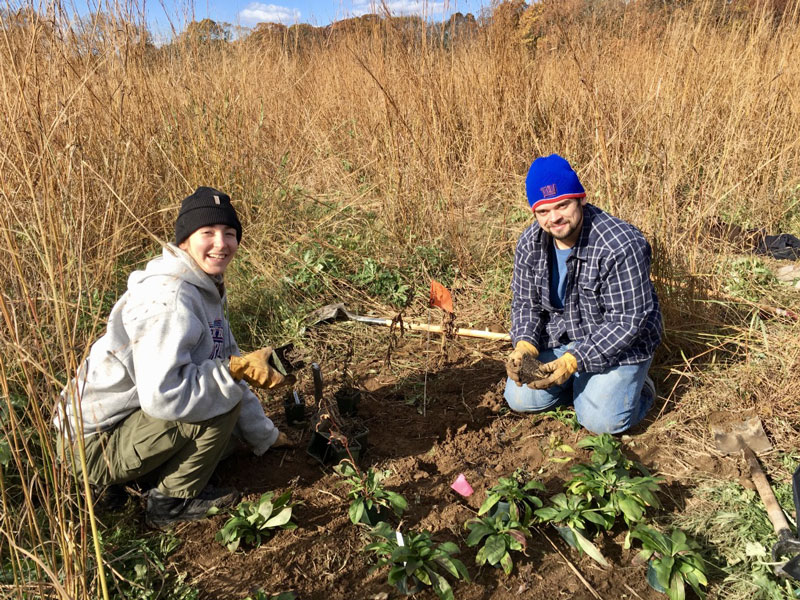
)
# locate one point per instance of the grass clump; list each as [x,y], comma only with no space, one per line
[139,567]
[732,525]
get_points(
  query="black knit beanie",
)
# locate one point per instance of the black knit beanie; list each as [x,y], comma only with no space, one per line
[206,206]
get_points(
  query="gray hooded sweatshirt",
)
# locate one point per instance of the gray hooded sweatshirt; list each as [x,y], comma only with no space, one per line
[164,351]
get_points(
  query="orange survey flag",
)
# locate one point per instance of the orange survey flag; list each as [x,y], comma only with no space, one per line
[440,296]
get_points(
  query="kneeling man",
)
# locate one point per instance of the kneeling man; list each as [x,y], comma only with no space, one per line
[584,305]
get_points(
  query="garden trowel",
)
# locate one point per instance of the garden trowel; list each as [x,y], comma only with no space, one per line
[748,437]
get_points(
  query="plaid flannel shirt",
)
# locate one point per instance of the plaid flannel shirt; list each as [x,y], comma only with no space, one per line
[611,313]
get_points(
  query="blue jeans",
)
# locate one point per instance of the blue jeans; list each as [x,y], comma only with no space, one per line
[608,402]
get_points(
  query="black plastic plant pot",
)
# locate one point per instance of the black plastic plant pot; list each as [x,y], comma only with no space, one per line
[567,535]
[294,408]
[347,399]
[330,451]
[376,514]
[652,578]
[501,511]
[409,586]
[360,437]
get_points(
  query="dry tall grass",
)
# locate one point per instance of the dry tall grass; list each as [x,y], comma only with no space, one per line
[669,119]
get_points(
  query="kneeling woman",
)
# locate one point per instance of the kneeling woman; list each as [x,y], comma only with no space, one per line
[165,388]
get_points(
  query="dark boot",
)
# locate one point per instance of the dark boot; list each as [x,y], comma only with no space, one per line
[164,510]
[108,498]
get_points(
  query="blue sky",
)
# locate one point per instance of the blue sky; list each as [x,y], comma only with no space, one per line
[316,12]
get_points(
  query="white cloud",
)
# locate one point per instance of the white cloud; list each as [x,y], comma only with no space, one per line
[268,13]
[399,7]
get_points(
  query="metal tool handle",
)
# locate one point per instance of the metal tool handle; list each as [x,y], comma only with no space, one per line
[475,333]
[796,493]
[774,511]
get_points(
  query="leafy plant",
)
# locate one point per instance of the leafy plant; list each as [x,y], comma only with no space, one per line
[313,265]
[502,535]
[746,277]
[736,536]
[388,284]
[414,560]
[575,512]
[5,453]
[607,482]
[518,493]
[367,491]
[252,522]
[607,486]
[606,449]
[675,560]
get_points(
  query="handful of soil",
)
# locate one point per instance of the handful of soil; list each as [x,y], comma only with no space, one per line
[529,369]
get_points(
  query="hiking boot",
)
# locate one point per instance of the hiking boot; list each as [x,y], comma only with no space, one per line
[108,498]
[165,510]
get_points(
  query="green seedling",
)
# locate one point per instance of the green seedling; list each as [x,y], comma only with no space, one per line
[367,492]
[500,535]
[575,513]
[252,522]
[675,560]
[565,416]
[556,444]
[517,491]
[415,561]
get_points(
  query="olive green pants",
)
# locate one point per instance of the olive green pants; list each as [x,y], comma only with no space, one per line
[181,456]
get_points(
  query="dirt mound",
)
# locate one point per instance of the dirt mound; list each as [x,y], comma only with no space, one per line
[427,430]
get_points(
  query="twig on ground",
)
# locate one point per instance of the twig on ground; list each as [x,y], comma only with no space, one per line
[572,566]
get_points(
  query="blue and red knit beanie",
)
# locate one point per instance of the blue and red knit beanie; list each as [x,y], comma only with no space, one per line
[551,179]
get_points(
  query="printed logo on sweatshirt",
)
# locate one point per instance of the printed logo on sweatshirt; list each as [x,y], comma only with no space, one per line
[217,335]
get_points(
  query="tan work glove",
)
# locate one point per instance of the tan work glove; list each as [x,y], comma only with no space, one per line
[514,359]
[253,368]
[560,370]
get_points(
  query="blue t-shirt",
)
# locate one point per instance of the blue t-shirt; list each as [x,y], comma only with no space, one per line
[558,275]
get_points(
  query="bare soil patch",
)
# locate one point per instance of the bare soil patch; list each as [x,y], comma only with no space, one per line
[427,430]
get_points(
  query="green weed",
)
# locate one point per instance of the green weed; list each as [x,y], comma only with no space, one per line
[746,278]
[565,416]
[732,524]
[390,285]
